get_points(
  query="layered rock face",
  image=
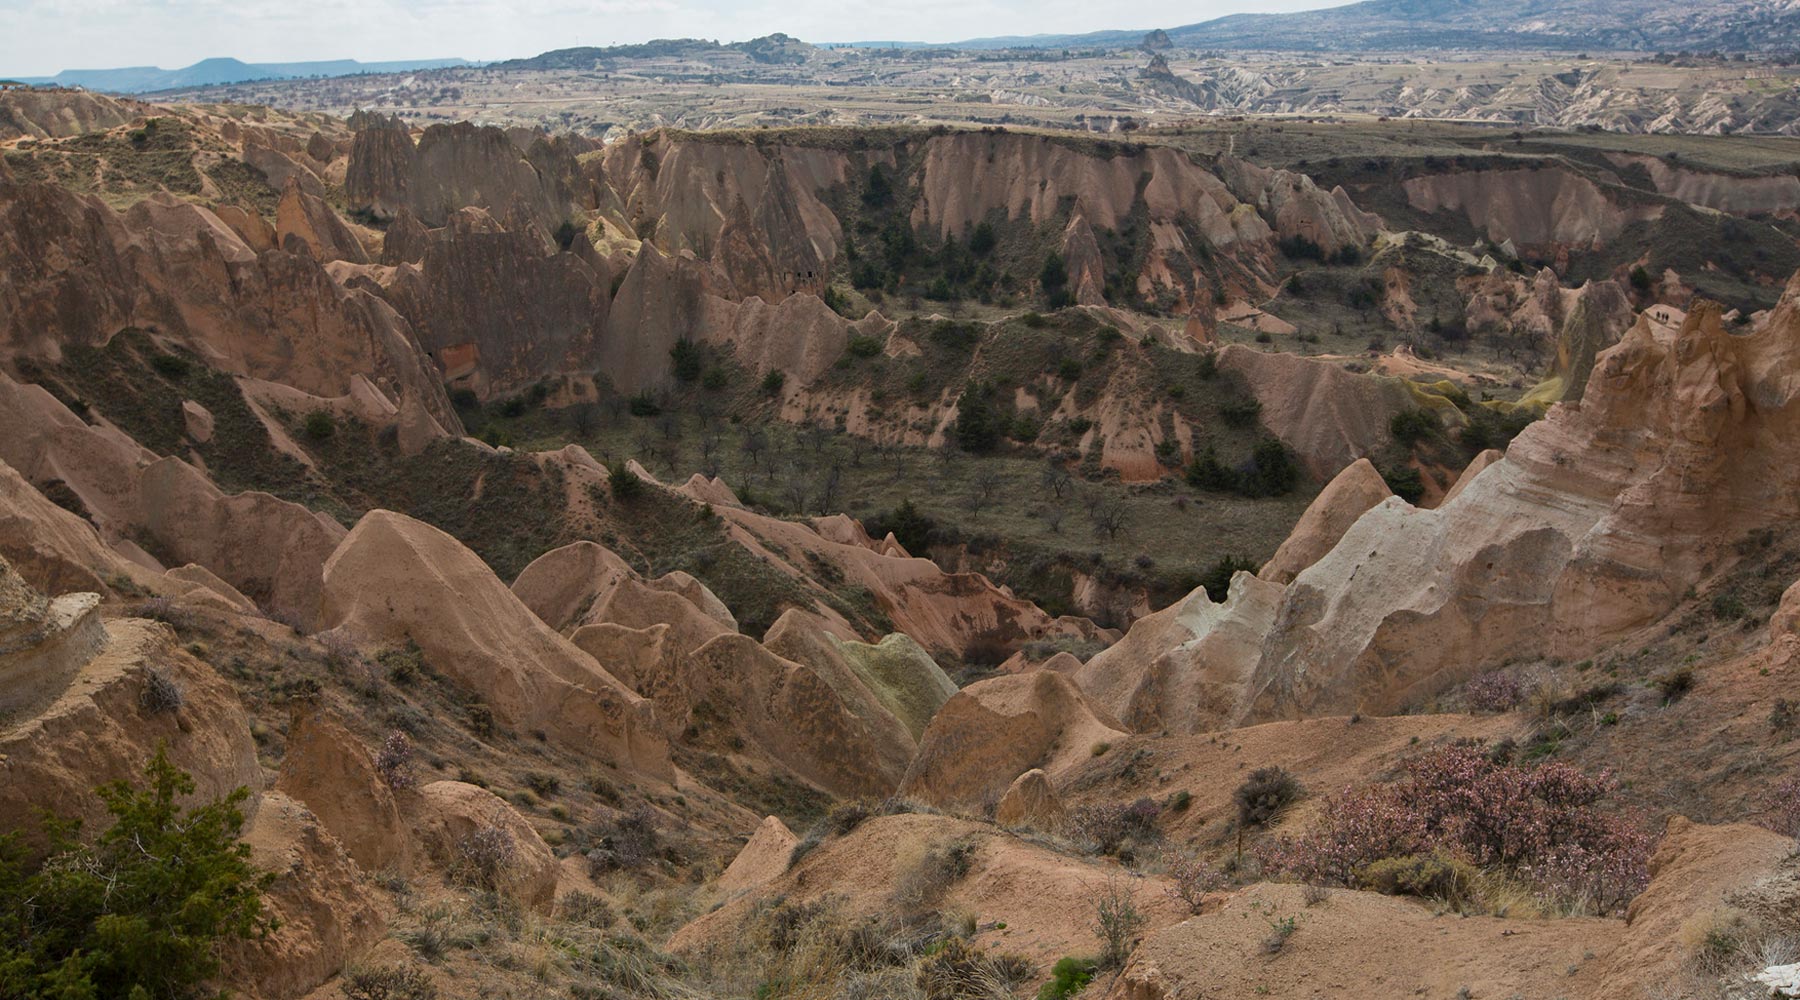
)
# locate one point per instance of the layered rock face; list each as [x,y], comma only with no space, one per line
[842,716]
[755,210]
[1596,521]
[55,114]
[521,308]
[997,729]
[82,272]
[267,548]
[43,643]
[1187,667]
[394,579]
[87,703]
[1535,206]
[460,166]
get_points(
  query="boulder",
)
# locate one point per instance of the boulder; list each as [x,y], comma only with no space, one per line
[444,814]
[327,768]
[1000,726]
[198,420]
[763,859]
[1030,801]
[327,911]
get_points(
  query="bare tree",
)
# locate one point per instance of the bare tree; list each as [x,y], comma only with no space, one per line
[669,423]
[1057,478]
[644,442]
[1110,517]
[987,484]
[1053,519]
[828,490]
[755,443]
[947,454]
[584,419]
[897,455]
[794,489]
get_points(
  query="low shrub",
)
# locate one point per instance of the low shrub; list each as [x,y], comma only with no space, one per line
[923,883]
[579,907]
[484,857]
[1781,807]
[1409,427]
[1495,691]
[160,693]
[806,845]
[623,484]
[390,982]
[625,840]
[1068,977]
[1264,795]
[1675,684]
[394,762]
[1217,579]
[320,425]
[1117,921]
[961,971]
[1429,876]
[1106,827]
[171,366]
[847,816]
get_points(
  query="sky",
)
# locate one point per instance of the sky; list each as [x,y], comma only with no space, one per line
[42,37]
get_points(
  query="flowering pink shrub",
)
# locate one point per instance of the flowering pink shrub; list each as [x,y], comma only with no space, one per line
[1541,823]
[1190,880]
[1782,808]
[395,761]
[1496,691]
[1353,828]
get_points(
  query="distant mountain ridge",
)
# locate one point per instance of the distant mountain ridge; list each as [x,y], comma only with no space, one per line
[1412,25]
[775,48]
[1568,25]
[210,72]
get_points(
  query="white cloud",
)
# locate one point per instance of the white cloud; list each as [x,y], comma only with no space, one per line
[40,37]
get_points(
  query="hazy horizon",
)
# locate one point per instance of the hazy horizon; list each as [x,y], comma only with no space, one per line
[50,36]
